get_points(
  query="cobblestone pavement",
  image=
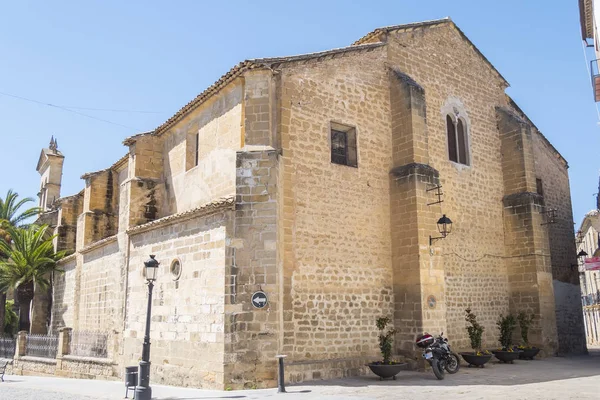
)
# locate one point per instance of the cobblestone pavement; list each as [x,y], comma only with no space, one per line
[551,378]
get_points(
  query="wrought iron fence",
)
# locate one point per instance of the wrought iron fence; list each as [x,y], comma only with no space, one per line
[7,347]
[44,346]
[88,344]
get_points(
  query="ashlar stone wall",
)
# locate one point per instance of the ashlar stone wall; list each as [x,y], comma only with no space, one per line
[100,297]
[64,291]
[335,218]
[187,314]
[457,80]
[216,124]
[253,335]
[552,170]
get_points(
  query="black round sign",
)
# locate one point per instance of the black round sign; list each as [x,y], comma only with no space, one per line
[259,299]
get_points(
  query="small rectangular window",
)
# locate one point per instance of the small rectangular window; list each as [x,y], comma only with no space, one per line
[197,148]
[539,186]
[343,145]
[192,150]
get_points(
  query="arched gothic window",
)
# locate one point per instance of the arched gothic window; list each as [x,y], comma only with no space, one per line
[457,140]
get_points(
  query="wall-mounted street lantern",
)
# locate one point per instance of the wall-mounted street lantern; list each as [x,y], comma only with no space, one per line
[143,391]
[444,225]
[580,261]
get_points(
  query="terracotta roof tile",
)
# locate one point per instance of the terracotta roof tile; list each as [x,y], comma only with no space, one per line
[309,56]
[205,209]
[131,139]
[385,29]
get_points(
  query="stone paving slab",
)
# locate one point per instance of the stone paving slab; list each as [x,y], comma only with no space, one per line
[548,379]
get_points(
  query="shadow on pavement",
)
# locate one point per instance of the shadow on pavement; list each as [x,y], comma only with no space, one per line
[202,398]
[520,373]
[10,380]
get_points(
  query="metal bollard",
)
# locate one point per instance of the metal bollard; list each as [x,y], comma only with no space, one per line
[281,375]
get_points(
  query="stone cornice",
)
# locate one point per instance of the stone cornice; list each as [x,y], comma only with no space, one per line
[98,244]
[424,170]
[66,259]
[523,199]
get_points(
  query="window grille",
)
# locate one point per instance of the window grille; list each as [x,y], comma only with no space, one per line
[88,344]
[338,147]
[343,145]
[7,347]
[45,346]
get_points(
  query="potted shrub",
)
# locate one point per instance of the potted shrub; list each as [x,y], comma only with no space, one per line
[386,368]
[506,326]
[525,321]
[476,358]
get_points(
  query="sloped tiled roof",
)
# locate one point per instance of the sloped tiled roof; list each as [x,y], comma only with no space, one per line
[236,71]
[320,54]
[228,77]
[205,209]
[364,43]
[380,33]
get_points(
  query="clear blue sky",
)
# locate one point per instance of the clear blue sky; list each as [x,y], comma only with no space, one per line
[158,55]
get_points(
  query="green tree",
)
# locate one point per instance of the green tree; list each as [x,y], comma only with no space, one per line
[12,216]
[30,264]
[11,319]
[386,339]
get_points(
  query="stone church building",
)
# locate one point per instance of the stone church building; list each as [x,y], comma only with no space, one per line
[315,179]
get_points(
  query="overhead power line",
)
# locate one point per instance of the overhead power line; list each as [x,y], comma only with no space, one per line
[113,110]
[72,109]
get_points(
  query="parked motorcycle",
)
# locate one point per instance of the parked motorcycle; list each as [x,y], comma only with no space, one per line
[438,354]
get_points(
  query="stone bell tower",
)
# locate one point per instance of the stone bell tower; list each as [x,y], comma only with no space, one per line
[49,166]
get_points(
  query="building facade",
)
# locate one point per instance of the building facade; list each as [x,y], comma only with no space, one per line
[314,179]
[588,240]
[589,19]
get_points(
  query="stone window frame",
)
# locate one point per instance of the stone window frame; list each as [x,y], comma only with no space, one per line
[176,276]
[539,186]
[351,144]
[192,150]
[455,110]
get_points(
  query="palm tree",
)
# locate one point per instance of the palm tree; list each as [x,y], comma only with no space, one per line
[11,216]
[29,267]
[9,209]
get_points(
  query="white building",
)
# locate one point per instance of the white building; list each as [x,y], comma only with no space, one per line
[589,13]
[588,249]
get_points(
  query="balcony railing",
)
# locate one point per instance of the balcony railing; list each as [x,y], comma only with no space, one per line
[595,75]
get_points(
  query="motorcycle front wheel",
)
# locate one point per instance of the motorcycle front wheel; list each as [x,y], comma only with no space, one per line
[438,370]
[452,363]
